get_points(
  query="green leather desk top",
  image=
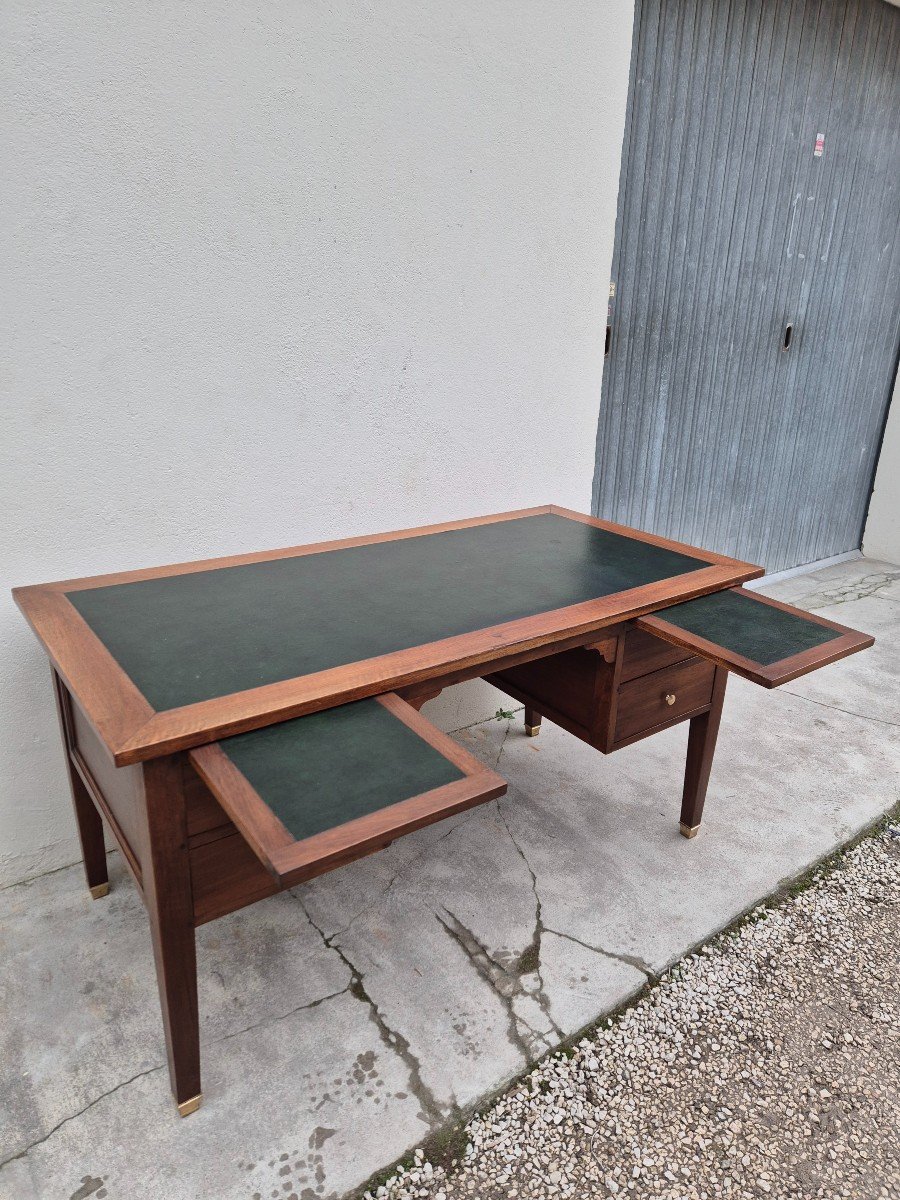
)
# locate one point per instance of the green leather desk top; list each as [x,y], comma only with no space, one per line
[192,637]
[327,768]
[741,624]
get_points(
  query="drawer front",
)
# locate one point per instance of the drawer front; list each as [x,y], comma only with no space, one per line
[645,653]
[663,697]
[226,875]
[204,813]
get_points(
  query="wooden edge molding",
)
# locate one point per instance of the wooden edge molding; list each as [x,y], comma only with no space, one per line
[224,716]
[665,543]
[436,738]
[107,696]
[239,560]
[259,826]
[291,860]
[356,839]
[775,674]
[134,732]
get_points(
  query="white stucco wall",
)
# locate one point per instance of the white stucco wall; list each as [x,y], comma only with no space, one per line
[881,538]
[276,272]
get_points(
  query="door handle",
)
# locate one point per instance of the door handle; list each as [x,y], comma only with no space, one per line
[788,336]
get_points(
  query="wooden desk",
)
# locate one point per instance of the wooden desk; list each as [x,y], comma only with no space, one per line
[244,724]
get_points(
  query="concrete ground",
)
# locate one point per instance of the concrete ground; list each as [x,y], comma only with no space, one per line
[767,1064]
[346,1020]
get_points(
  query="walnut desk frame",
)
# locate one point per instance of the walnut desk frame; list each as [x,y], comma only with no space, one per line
[244,724]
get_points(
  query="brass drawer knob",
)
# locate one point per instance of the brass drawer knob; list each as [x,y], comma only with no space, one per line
[670,699]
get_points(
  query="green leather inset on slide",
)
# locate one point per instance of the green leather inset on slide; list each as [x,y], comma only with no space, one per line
[330,767]
[186,638]
[742,624]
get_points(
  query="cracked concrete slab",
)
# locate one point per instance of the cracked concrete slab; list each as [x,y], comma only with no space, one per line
[590,980]
[79,984]
[869,683]
[790,780]
[298,1106]
[863,594]
[343,1021]
[417,967]
[838,584]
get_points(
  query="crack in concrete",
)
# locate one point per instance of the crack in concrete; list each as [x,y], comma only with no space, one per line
[404,867]
[432,1112]
[77,862]
[401,870]
[150,1070]
[504,985]
[483,721]
[503,743]
[857,589]
[498,976]
[39,1141]
[846,711]
[532,953]
[280,1017]
[630,960]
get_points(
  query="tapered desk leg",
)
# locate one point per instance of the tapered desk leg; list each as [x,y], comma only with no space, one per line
[532,722]
[701,748]
[90,826]
[167,895]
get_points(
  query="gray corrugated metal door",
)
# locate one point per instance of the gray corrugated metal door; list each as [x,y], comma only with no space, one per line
[759,191]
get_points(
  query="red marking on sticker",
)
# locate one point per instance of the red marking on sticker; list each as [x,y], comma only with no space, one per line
[820,145]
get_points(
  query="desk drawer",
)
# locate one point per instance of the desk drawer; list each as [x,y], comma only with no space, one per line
[226,875]
[313,793]
[663,697]
[205,815]
[645,653]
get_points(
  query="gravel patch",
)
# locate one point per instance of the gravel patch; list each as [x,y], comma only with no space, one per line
[765,1065]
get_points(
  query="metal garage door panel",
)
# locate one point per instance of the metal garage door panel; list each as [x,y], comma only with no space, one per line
[730,227]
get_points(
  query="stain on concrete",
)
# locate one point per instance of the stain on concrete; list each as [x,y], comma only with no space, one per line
[90,1186]
[320,1136]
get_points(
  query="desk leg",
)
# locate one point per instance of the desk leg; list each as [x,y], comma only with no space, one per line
[90,826]
[167,894]
[532,722]
[700,751]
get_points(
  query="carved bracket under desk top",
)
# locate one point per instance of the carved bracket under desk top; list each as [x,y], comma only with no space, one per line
[607,647]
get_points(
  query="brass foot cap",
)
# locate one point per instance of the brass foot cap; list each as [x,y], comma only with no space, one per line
[689,831]
[188,1106]
[532,730]
[100,889]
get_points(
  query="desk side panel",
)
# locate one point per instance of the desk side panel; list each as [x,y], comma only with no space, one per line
[117,791]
